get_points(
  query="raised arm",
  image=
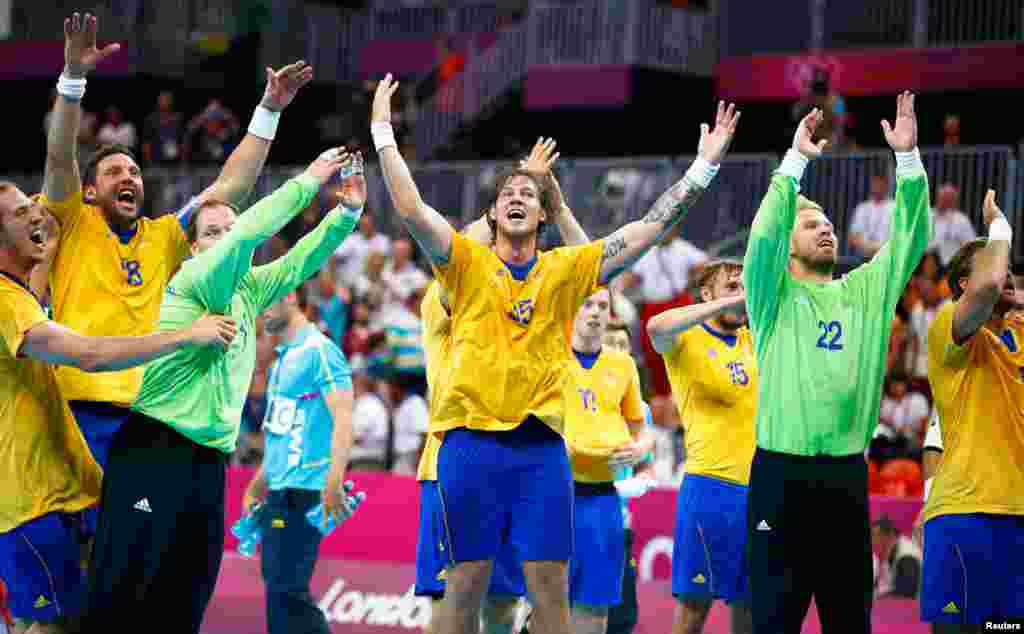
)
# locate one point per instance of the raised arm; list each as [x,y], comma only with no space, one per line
[243,167]
[215,274]
[428,227]
[664,328]
[628,244]
[539,162]
[52,343]
[275,280]
[910,226]
[989,271]
[61,178]
[767,258]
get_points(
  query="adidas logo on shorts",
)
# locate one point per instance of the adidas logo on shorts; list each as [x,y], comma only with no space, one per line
[143,505]
[763,526]
[41,602]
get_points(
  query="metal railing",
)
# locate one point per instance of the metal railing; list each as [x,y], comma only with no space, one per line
[586,32]
[606,193]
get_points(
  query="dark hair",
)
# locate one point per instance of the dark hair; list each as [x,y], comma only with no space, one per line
[885,525]
[547,197]
[962,264]
[711,270]
[192,228]
[89,177]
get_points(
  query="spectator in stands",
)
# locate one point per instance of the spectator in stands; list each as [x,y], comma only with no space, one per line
[116,130]
[403,341]
[368,286]
[86,130]
[900,561]
[161,133]
[401,278]
[370,422]
[870,226]
[333,308]
[952,226]
[951,131]
[211,134]
[819,94]
[411,424]
[663,276]
[351,257]
[902,419]
[932,293]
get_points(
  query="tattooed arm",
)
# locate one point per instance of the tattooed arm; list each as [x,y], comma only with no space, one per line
[628,244]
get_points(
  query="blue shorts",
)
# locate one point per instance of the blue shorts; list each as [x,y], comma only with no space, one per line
[973,568]
[709,555]
[40,561]
[431,554]
[98,422]
[506,490]
[599,549]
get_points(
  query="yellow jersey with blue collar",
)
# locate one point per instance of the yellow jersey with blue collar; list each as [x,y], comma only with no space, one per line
[509,343]
[599,401]
[101,286]
[714,383]
[978,389]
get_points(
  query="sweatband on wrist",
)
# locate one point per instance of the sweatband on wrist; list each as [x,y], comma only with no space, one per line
[70,89]
[383,135]
[908,163]
[794,164]
[702,172]
[927,488]
[264,123]
[1000,229]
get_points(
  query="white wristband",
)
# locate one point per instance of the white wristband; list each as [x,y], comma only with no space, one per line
[927,488]
[1000,229]
[794,164]
[264,123]
[383,135]
[702,172]
[908,163]
[69,88]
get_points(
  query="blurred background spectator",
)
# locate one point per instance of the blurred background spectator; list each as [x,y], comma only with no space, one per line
[869,228]
[162,132]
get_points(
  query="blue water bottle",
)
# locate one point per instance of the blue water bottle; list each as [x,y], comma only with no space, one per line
[315,515]
[247,530]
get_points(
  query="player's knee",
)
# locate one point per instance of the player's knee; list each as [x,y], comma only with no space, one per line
[498,609]
[692,614]
[548,581]
[467,583]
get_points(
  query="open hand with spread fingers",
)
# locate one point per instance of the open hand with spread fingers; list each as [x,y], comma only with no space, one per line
[381,111]
[541,158]
[902,137]
[990,211]
[803,139]
[714,142]
[284,84]
[80,52]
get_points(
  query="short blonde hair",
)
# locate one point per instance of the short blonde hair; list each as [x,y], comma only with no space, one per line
[802,202]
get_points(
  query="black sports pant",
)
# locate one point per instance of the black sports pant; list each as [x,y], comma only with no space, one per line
[809,535]
[161,530]
[290,548]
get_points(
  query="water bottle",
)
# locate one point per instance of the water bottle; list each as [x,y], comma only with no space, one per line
[316,515]
[247,530]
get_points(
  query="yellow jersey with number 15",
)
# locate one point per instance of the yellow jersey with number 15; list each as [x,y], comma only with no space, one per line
[979,391]
[598,403]
[103,287]
[714,380]
[508,336]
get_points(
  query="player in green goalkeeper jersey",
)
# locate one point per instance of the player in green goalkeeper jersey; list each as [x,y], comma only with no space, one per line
[821,346]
